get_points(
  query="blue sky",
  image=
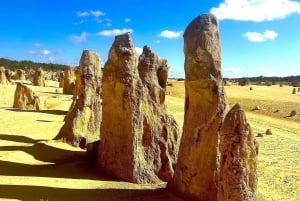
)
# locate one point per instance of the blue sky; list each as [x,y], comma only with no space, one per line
[258,37]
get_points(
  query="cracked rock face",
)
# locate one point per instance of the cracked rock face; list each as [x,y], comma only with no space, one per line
[82,122]
[195,176]
[139,141]
[239,151]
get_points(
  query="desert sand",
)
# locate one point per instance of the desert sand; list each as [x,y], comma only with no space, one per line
[34,167]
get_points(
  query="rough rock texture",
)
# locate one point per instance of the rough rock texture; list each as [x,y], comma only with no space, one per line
[3,79]
[239,151]
[82,122]
[39,78]
[195,177]
[25,99]
[139,141]
[69,80]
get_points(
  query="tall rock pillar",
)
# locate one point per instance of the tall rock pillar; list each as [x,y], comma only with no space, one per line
[196,174]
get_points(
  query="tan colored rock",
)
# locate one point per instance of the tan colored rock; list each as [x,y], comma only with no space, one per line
[19,75]
[24,98]
[39,77]
[269,132]
[8,74]
[195,177]
[82,122]
[3,79]
[238,148]
[61,79]
[69,80]
[293,113]
[138,139]
[160,137]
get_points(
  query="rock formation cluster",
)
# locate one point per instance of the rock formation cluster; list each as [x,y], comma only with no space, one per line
[82,122]
[139,141]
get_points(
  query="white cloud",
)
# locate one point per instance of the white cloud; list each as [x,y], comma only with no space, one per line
[127,19]
[157,41]
[78,39]
[138,50]
[37,44]
[233,70]
[255,10]
[170,34]
[114,32]
[261,37]
[82,14]
[95,13]
[39,53]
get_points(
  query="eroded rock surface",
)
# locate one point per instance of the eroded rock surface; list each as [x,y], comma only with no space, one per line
[239,151]
[82,122]
[24,98]
[196,171]
[139,141]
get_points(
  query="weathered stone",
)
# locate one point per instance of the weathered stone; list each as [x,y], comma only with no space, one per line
[82,122]
[269,131]
[8,74]
[25,99]
[293,113]
[238,148]
[19,75]
[195,177]
[3,79]
[39,78]
[138,139]
[69,80]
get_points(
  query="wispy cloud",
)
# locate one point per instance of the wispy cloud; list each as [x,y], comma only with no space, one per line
[95,13]
[233,70]
[77,39]
[256,10]
[138,50]
[114,32]
[37,44]
[39,53]
[170,34]
[261,37]
[157,41]
[127,20]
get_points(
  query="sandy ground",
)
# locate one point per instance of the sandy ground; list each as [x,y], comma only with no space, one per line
[35,168]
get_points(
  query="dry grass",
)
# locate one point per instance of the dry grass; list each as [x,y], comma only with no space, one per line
[32,167]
